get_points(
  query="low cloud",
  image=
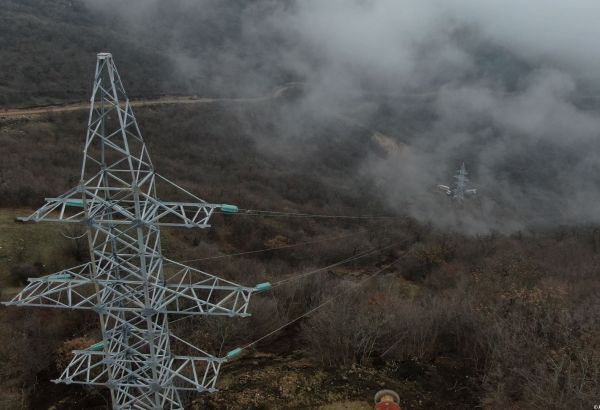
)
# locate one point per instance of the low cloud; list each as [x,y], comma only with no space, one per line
[503,86]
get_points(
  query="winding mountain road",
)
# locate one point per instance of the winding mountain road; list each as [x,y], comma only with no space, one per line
[15,113]
[387,143]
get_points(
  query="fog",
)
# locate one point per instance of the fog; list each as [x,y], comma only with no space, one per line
[507,87]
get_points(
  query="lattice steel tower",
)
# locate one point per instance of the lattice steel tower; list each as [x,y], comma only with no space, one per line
[460,190]
[128,282]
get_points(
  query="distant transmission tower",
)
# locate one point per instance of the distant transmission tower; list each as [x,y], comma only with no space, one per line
[460,190]
[128,282]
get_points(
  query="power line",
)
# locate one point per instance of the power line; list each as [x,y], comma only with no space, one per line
[326,302]
[304,274]
[257,212]
[333,265]
[268,249]
[73,237]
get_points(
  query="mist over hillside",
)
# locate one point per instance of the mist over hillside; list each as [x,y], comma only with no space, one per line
[515,98]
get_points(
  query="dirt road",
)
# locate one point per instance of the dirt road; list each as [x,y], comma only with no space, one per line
[83,106]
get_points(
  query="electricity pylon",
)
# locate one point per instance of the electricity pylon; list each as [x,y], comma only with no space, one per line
[460,190]
[128,282]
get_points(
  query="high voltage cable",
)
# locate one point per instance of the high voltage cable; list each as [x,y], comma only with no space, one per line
[344,261]
[326,302]
[257,212]
[304,274]
[73,237]
[268,249]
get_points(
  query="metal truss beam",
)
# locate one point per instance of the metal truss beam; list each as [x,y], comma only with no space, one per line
[75,288]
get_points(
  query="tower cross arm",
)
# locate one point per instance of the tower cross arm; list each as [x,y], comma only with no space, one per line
[179,214]
[186,291]
[69,288]
[194,292]
[66,208]
[71,208]
[183,372]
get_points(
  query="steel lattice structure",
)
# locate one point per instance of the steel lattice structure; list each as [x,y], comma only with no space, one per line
[128,282]
[460,190]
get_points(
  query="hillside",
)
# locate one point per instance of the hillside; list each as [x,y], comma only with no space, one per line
[48,52]
[332,126]
[486,309]
[48,49]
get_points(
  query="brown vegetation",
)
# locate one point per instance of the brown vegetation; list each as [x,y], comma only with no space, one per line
[456,322]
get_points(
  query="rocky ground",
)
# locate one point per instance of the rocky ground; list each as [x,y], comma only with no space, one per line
[271,381]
